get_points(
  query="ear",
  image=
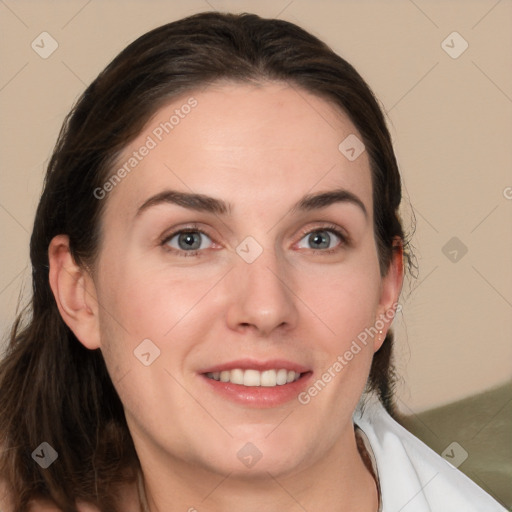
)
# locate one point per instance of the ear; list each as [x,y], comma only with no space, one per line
[74,293]
[391,286]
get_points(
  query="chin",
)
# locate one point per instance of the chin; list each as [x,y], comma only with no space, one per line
[254,457]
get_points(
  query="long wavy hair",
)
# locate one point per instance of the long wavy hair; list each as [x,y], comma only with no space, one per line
[52,388]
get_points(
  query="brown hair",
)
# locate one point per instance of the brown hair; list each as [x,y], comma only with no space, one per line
[52,389]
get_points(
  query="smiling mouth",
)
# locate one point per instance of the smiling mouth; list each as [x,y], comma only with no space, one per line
[255,378]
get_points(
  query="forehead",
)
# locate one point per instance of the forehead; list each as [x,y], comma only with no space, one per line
[246,144]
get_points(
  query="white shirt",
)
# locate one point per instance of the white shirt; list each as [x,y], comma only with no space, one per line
[411,476]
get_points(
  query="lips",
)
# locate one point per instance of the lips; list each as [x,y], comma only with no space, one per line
[253,377]
[258,384]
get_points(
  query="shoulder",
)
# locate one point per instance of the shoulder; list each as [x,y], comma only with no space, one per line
[6,504]
[5,498]
[38,505]
[129,501]
[45,506]
[411,475]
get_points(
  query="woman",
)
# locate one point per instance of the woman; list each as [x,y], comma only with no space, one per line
[217,259]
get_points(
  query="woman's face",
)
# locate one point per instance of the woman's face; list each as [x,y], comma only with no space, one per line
[216,257]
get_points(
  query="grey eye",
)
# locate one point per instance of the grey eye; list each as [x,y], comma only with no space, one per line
[320,239]
[188,241]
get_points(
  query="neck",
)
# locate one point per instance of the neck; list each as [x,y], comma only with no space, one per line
[338,482]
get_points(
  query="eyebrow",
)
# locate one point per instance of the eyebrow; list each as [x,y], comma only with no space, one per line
[325,199]
[201,202]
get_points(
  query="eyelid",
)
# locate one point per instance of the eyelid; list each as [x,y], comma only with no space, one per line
[189,228]
[194,228]
[337,230]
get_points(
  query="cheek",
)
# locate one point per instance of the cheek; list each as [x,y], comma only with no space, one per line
[145,299]
[344,297]
[140,301]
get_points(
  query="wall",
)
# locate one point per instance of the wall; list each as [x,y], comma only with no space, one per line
[450,118]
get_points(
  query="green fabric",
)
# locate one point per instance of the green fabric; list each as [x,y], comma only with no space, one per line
[482,426]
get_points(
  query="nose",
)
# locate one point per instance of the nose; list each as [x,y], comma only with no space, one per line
[260,295]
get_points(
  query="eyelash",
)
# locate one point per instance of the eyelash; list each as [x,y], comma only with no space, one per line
[184,254]
[329,228]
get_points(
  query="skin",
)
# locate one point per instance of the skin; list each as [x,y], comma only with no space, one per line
[260,148]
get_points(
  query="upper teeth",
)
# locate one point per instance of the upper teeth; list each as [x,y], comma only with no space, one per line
[251,378]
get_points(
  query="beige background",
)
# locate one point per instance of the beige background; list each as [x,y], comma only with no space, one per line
[451,121]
